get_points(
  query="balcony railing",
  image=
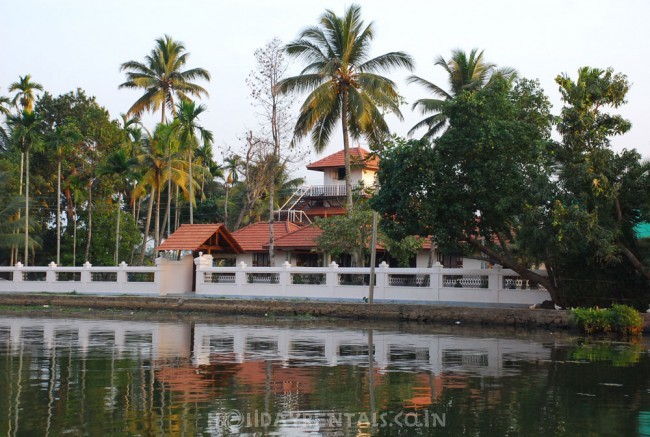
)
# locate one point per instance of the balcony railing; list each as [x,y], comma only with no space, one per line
[338,190]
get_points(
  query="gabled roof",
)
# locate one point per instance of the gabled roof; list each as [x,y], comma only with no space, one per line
[253,237]
[358,157]
[303,238]
[202,237]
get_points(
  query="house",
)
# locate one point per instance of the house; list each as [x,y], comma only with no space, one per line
[328,199]
[294,233]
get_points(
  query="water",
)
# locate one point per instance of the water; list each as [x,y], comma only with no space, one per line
[65,376]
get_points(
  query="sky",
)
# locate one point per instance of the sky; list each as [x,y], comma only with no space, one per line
[79,43]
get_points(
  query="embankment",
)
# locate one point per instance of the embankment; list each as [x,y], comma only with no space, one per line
[519,317]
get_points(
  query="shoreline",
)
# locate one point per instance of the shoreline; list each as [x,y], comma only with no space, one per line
[348,311]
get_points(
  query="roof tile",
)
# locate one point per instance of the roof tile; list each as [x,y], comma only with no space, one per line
[358,156]
[253,237]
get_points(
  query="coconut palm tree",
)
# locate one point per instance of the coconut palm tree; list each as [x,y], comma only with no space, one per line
[153,161]
[60,142]
[467,72]
[162,79]
[343,83]
[189,132]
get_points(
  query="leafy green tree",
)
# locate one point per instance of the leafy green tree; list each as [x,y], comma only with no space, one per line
[487,180]
[60,142]
[350,234]
[162,78]
[343,83]
[103,250]
[603,195]
[467,72]
[81,187]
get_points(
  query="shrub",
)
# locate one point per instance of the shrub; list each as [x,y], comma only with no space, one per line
[621,319]
[626,320]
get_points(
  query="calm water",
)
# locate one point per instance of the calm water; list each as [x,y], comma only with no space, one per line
[236,377]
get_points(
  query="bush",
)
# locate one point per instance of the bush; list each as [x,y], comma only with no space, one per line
[621,319]
[626,320]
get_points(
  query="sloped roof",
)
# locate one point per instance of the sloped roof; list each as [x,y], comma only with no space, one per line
[253,237]
[303,238]
[201,237]
[358,157]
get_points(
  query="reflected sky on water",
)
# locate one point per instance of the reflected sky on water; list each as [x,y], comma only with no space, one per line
[242,377]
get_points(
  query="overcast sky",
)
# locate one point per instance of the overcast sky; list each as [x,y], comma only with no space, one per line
[67,44]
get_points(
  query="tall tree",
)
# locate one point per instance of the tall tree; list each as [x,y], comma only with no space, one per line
[60,142]
[25,92]
[164,81]
[189,133]
[26,133]
[343,83]
[119,165]
[605,192]
[25,95]
[485,186]
[162,78]
[275,116]
[232,164]
[153,161]
[466,72]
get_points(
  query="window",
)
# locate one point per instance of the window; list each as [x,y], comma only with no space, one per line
[261,260]
[340,174]
[450,261]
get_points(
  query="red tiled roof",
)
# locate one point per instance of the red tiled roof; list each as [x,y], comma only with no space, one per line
[204,237]
[358,156]
[253,237]
[303,238]
[324,211]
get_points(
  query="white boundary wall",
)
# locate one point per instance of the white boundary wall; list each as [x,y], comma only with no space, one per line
[87,279]
[422,285]
[436,284]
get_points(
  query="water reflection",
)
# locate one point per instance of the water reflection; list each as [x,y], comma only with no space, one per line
[128,377]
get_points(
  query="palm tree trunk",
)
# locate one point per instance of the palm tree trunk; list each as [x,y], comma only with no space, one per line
[156,238]
[225,206]
[346,154]
[147,225]
[177,217]
[26,206]
[166,223]
[90,220]
[169,192]
[117,230]
[74,239]
[58,213]
[191,188]
[20,193]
